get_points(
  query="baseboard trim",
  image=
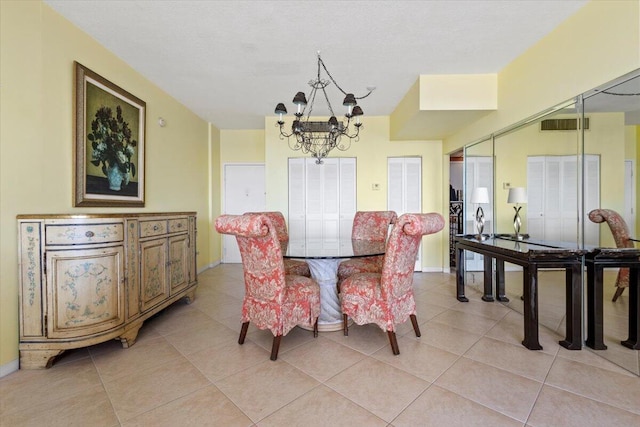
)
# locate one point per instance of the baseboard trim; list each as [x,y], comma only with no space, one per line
[9,368]
[432,270]
[207,267]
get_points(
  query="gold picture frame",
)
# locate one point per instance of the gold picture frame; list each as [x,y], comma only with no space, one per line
[110,143]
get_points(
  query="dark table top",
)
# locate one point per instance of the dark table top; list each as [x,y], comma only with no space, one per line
[316,248]
[525,247]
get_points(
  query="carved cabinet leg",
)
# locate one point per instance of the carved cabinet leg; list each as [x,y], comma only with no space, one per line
[38,359]
[129,338]
[190,296]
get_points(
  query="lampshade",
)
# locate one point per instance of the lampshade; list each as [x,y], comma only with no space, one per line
[300,99]
[480,195]
[281,109]
[349,100]
[517,195]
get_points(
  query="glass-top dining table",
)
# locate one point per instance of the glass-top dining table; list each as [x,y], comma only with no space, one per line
[323,257]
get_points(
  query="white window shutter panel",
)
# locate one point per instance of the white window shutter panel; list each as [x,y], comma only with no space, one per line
[485,179]
[535,194]
[297,193]
[553,198]
[552,202]
[347,195]
[317,194]
[395,200]
[478,173]
[330,202]
[404,183]
[569,199]
[591,198]
[413,180]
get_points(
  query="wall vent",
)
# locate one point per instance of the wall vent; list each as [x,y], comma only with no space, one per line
[562,124]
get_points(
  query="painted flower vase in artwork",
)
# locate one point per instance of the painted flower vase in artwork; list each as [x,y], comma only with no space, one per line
[115,176]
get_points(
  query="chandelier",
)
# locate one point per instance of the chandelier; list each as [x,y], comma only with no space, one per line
[318,138]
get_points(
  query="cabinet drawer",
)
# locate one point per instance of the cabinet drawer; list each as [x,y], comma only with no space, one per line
[153,228]
[179,224]
[75,234]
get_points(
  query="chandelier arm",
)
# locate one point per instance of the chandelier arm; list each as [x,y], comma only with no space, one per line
[283,134]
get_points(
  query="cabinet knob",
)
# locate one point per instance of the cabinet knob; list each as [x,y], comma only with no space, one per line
[179,225]
[155,228]
[89,233]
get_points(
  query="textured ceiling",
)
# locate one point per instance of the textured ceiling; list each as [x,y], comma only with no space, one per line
[231,61]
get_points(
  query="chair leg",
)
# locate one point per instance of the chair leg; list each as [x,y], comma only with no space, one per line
[315,329]
[619,292]
[414,322]
[393,342]
[275,347]
[243,332]
[345,325]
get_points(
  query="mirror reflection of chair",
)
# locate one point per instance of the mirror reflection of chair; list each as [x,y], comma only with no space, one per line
[386,298]
[291,266]
[622,237]
[272,300]
[369,226]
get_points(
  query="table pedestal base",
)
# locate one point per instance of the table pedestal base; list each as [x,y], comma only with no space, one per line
[325,272]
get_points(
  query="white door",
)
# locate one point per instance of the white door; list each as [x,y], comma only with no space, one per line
[404,189]
[244,191]
[322,199]
[554,201]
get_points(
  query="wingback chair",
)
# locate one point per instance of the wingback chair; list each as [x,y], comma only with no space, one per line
[369,226]
[291,266]
[386,298]
[272,300]
[621,235]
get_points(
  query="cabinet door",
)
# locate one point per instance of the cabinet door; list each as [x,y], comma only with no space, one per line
[85,291]
[178,262]
[153,273]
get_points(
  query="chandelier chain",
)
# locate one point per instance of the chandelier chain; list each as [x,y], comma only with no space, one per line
[321,62]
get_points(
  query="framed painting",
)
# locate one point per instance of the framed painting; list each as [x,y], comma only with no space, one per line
[110,143]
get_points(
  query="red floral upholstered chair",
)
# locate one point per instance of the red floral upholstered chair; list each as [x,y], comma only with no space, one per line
[386,298]
[622,238]
[291,266]
[272,300]
[370,226]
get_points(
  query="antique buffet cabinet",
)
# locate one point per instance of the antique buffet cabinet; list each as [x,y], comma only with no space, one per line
[85,279]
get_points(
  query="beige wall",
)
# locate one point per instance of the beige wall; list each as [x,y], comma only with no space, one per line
[215,198]
[597,44]
[38,48]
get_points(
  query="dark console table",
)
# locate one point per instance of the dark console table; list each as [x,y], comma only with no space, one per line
[532,255]
[597,260]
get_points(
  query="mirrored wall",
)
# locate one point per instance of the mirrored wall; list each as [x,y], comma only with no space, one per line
[573,158]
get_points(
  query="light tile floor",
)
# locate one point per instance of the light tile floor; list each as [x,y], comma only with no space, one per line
[468,369]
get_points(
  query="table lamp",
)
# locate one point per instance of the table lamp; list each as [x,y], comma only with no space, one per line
[480,195]
[517,195]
